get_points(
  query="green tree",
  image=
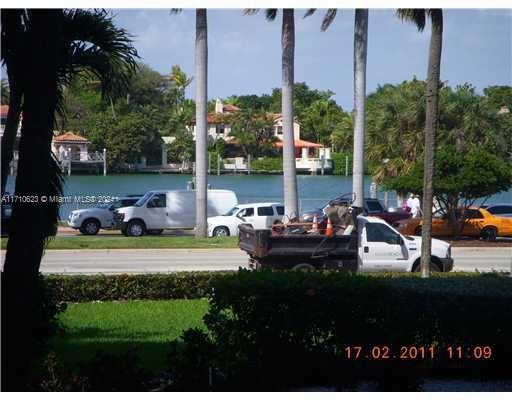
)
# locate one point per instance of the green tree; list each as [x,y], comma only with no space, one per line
[499,96]
[180,81]
[182,148]
[319,121]
[461,179]
[133,136]
[254,133]
[251,102]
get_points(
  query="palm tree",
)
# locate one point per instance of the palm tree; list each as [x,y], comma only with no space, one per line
[360,51]
[90,44]
[201,123]
[47,43]
[291,203]
[180,81]
[418,17]
[360,46]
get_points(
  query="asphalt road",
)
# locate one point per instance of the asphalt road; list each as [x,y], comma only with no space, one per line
[174,260]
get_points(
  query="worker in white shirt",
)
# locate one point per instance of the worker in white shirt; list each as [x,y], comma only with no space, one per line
[409,202]
[415,206]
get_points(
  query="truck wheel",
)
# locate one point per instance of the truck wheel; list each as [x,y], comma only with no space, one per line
[90,227]
[489,234]
[221,231]
[435,266]
[304,267]
[135,228]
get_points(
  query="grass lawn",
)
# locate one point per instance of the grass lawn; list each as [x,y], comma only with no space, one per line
[115,327]
[145,242]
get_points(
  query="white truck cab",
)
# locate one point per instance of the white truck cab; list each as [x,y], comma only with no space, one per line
[259,215]
[383,248]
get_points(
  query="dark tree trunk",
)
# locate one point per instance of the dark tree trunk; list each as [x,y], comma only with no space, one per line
[11,129]
[433,82]
[12,45]
[32,221]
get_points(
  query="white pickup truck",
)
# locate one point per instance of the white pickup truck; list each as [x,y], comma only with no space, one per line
[373,246]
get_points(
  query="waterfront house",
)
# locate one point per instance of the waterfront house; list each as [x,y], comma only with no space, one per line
[310,157]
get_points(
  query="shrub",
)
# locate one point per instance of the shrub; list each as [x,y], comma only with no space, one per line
[82,288]
[104,373]
[274,330]
[339,163]
[267,164]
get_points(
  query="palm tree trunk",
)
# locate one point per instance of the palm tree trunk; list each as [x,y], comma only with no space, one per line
[290,177]
[433,82]
[11,129]
[360,46]
[201,122]
[32,222]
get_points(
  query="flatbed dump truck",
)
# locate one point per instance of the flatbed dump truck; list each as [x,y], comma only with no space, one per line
[373,245]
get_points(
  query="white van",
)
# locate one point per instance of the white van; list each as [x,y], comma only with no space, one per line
[170,209]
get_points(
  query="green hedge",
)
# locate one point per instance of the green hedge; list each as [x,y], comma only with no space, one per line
[271,330]
[82,288]
[267,164]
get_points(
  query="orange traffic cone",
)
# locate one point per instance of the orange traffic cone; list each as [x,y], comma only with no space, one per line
[329,231]
[314,229]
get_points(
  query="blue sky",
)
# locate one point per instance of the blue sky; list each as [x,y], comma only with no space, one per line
[245,53]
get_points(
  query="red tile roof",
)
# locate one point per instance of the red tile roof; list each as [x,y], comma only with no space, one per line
[230,108]
[301,143]
[70,137]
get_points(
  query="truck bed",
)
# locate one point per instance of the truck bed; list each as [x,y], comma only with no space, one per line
[289,250]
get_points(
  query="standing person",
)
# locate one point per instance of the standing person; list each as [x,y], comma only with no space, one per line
[415,206]
[409,202]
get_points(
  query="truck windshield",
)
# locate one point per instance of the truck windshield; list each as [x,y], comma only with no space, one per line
[143,199]
[233,211]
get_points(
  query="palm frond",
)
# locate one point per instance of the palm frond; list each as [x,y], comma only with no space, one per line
[251,11]
[415,15]
[329,16]
[92,43]
[271,14]
[309,12]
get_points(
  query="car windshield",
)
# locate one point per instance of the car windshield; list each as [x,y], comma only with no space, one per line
[233,211]
[143,199]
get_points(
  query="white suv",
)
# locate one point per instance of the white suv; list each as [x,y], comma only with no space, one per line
[90,220]
[259,215]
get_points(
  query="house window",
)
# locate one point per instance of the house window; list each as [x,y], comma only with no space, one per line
[219,129]
[279,129]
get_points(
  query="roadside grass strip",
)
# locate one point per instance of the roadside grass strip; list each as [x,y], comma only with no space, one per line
[145,242]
